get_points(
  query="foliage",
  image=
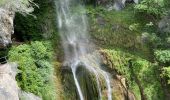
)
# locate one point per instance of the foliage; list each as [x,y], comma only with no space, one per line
[134,27]
[110,29]
[166,73]
[35,68]
[43,26]
[131,66]
[114,29]
[120,60]
[155,7]
[163,56]
[146,74]
[167,3]
[136,33]
[163,59]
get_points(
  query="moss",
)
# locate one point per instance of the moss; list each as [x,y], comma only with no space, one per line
[120,29]
[138,72]
[58,81]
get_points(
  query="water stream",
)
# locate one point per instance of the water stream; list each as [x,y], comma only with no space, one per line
[78,49]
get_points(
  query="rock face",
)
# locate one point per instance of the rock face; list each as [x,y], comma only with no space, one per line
[120,4]
[6,27]
[8,85]
[28,96]
[9,89]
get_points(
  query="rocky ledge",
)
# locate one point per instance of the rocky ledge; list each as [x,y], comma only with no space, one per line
[8,86]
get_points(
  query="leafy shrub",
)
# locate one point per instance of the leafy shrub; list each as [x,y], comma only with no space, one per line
[120,61]
[43,26]
[166,73]
[167,3]
[155,7]
[163,56]
[35,68]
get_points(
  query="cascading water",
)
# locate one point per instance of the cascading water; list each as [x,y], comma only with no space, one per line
[77,47]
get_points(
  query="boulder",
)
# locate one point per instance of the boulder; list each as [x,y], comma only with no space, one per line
[8,86]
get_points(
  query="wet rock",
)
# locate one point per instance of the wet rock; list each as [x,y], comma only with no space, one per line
[164,24]
[131,96]
[8,85]
[119,91]
[120,4]
[119,84]
[122,80]
[6,27]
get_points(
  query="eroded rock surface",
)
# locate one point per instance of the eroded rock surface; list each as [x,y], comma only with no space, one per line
[6,27]
[119,83]
[8,85]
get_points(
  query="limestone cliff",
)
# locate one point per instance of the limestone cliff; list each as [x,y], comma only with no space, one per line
[6,27]
[9,89]
[8,85]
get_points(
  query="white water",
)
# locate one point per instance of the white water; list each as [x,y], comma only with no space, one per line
[77,46]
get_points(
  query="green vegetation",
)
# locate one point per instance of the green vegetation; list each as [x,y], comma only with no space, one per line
[33,53]
[129,38]
[166,73]
[163,56]
[134,44]
[155,7]
[35,68]
[43,25]
[122,30]
[138,72]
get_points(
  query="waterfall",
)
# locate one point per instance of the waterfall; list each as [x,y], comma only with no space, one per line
[78,49]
